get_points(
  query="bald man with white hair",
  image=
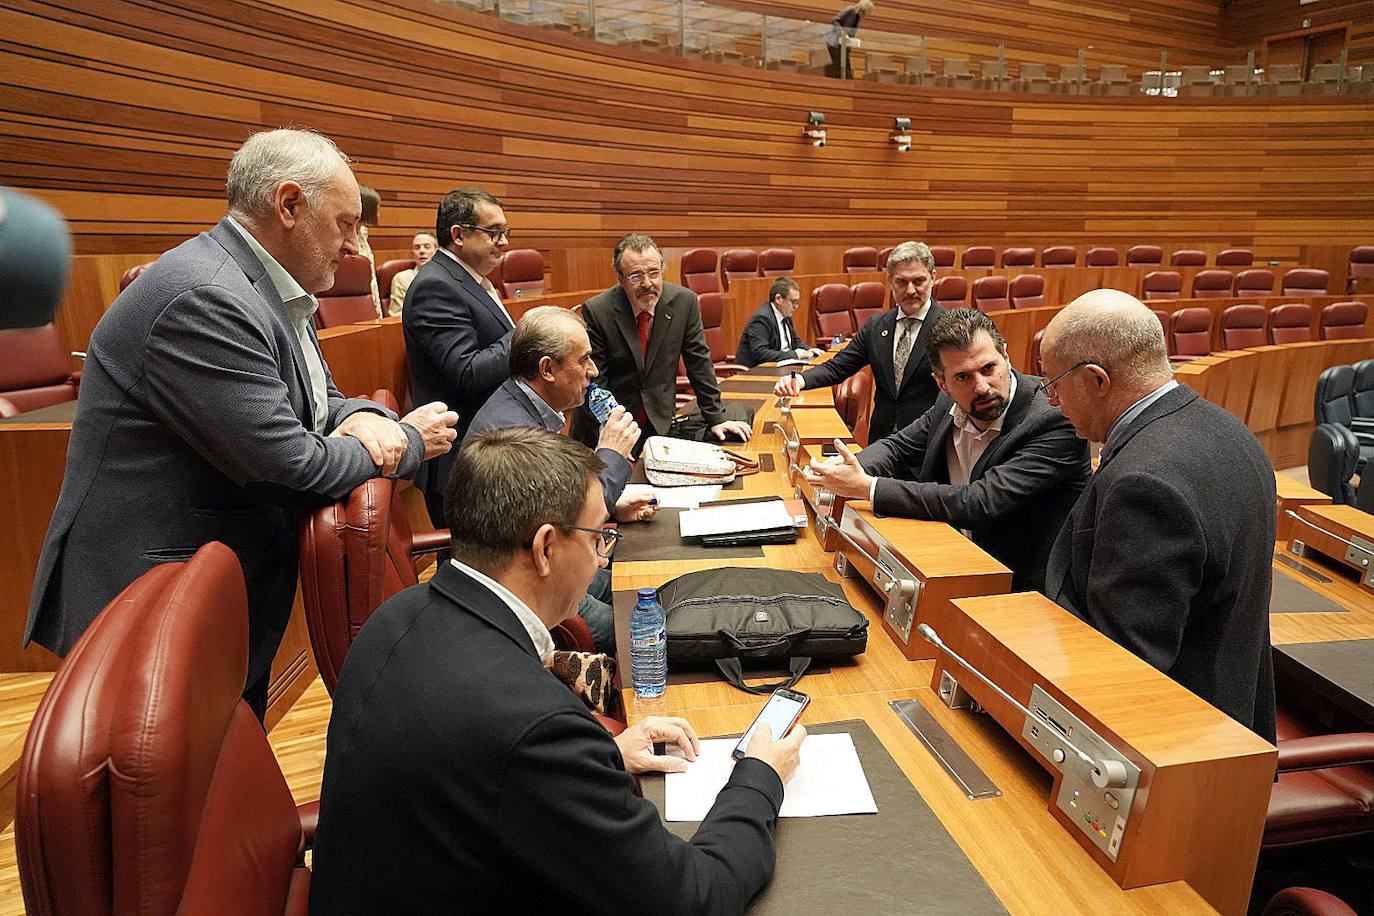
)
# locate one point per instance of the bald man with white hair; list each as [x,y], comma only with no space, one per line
[1169,549]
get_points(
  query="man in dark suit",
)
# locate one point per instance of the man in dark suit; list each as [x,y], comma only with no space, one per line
[457,332]
[769,335]
[992,456]
[460,774]
[207,412]
[639,328]
[893,343]
[1169,550]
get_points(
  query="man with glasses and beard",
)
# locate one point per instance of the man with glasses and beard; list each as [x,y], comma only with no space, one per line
[991,457]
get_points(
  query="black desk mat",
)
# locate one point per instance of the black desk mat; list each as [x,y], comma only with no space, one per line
[740,383]
[1292,597]
[769,372]
[766,466]
[900,860]
[1342,670]
[660,540]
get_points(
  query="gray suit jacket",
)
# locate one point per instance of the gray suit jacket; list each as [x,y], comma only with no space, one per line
[1170,550]
[1018,494]
[194,424]
[511,406]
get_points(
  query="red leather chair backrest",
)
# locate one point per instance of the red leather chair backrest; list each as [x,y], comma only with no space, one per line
[854,403]
[147,785]
[1161,284]
[1254,282]
[131,275]
[349,300]
[35,369]
[387,271]
[738,262]
[1163,317]
[1361,262]
[699,271]
[712,313]
[1027,291]
[861,258]
[1144,256]
[1343,320]
[1305,281]
[943,256]
[830,313]
[1103,257]
[1242,326]
[1291,323]
[990,293]
[867,299]
[1188,257]
[978,256]
[1035,352]
[1059,256]
[1212,284]
[522,271]
[1018,257]
[1190,332]
[951,292]
[777,262]
[883,255]
[1235,257]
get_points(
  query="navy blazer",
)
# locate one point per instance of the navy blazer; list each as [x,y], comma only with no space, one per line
[194,424]
[896,402]
[1019,492]
[1169,551]
[760,341]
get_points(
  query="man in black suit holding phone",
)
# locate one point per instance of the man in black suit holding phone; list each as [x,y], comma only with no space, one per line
[770,336]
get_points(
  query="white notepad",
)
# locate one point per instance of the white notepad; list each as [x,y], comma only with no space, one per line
[734,518]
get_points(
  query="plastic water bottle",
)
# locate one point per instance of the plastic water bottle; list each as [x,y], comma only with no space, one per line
[839,339]
[648,645]
[601,401]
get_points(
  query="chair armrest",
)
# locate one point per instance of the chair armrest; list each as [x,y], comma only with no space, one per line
[1322,751]
[8,408]
[573,634]
[727,369]
[614,726]
[309,814]
[423,542]
[1362,424]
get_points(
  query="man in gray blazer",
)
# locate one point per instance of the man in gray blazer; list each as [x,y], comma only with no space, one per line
[207,412]
[1169,551]
[991,457]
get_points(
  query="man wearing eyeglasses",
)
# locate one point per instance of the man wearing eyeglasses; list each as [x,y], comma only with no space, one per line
[1169,550]
[457,332]
[461,774]
[769,335]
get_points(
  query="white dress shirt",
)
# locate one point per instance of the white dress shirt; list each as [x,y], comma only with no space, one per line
[784,335]
[539,634]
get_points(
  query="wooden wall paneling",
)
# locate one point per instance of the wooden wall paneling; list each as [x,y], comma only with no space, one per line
[1270,372]
[33,457]
[1247,23]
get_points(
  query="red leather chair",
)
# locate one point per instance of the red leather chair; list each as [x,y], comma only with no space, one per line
[522,271]
[1361,265]
[951,292]
[867,299]
[1343,321]
[1163,317]
[860,259]
[990,294]
[1212,284]
[738,262]
[1235,257]
[830,314]
[1035,352]
[1242,326]
[1188,257]
[699,271]
[1255,283]
[131,274]
[1290,323]
[943,256]
[1305,281]
[1144,256]
[147,785]
[1018,257]
[35,370]
[1103,257]
[883,255]
[1325,785]
[854,403]
[1027,291]
[1306,901]
[349,300]
[386,272]
[1059,256]
[1190,332]
[978,256]
[777,262]
[712,314]
[1161,284]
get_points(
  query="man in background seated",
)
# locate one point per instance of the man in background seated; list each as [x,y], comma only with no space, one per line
[991,457]
[460,774]
[639,329]
[1169,550]
[769,335]
[422,248]
[893,343]
[551,366]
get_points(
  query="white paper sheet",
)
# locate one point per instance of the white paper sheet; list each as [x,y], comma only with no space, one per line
[730,519]
[677,497]
[830,780]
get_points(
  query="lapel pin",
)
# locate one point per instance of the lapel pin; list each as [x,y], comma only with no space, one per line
[884,333]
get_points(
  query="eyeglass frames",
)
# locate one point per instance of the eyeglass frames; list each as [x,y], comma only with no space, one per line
[496,235]
[1048,386]
[606,538]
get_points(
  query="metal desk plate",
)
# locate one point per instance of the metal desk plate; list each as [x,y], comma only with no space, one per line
[955,760]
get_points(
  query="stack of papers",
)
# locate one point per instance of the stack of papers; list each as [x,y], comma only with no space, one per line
[735,518]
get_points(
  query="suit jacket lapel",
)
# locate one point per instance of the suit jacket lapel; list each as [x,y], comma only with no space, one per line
[474,290]
[884,345]
[625,321]
[462,590]
[935,449]
[918,346]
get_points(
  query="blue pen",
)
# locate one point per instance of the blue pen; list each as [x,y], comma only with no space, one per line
[654,501]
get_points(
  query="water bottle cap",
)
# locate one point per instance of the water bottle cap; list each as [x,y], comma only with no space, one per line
[648,593]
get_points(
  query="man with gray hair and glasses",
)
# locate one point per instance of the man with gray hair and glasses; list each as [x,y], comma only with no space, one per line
[207,412]
[1169,550]
[892,343]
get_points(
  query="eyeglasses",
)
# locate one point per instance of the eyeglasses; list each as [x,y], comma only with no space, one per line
[496,235]
[1048,386]
[638,278]
[606,538]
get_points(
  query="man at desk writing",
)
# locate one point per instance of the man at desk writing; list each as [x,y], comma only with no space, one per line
[992,456]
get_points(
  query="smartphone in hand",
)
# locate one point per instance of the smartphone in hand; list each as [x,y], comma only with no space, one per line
[781,712]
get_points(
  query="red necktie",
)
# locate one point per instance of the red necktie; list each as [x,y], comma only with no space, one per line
[642,319]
